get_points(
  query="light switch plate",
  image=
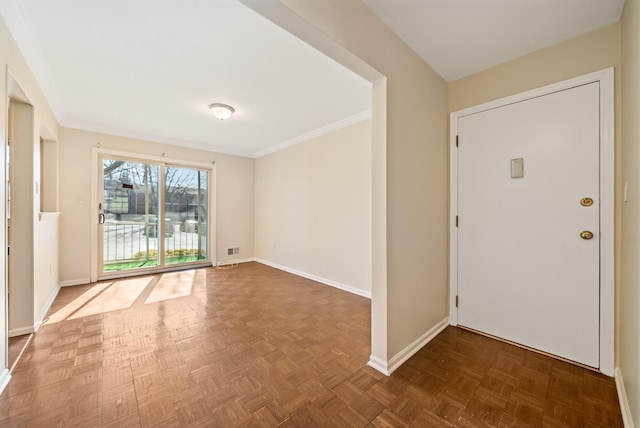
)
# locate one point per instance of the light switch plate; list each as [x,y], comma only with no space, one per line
[517,168]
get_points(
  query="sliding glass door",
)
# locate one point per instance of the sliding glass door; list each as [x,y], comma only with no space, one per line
[130,208]
[186,205]
[152,215]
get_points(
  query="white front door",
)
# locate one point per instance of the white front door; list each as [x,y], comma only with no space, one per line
[525,272]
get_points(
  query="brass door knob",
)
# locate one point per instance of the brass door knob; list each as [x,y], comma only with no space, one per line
[585,234]
[586,202]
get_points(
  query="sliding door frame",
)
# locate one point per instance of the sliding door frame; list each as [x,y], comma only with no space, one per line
[97,155]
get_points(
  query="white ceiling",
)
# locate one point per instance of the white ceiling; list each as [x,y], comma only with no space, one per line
[461,37]
[148,69]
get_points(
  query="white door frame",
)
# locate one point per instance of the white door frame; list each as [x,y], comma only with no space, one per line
[607,189]
[212,218]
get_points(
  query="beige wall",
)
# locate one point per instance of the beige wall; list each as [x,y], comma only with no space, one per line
[45,126]
[313,207]
[414,296]
[235,198]
[630,297]
[47,264]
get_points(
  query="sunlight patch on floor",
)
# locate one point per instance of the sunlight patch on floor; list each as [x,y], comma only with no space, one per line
[172,285]
[77,303]
[120,295]
[200,285]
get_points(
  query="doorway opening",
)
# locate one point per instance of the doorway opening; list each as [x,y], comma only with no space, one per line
[19,218]
[529,248]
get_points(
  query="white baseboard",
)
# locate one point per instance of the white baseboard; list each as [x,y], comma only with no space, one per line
[234,261]
[379,364]
[71,282]
[5,377]
[20,331]
[319,279]
[36,326]
[45,309]
[627,418]
[397,360]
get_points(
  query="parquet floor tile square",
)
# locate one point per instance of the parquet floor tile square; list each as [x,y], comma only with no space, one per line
[258,347]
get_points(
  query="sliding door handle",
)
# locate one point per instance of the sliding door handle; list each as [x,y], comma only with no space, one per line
[100,218]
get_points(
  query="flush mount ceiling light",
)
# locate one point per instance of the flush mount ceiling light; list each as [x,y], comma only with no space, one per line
[221,111]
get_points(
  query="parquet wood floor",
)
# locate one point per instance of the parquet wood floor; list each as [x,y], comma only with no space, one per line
[257,347]
[16,346]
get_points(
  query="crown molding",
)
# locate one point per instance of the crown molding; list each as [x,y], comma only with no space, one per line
[351,120]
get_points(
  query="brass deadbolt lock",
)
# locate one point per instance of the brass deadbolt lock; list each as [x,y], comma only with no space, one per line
[586,234]
[586,202]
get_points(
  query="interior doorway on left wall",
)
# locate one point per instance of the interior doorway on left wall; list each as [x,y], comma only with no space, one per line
[19,217]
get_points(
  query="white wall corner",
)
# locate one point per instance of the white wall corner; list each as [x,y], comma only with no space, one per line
[48,216]
[379,364]
[397,360]
[627,418]
[72,282]
[5,377]
[402,356]
[45,309]
[330,282]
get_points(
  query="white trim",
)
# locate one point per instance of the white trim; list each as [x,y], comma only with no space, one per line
[351,120]
[5,377]
[94,229]
[212,214]
[402,356]
[46,307]
[627,418]
[379,364]
[228,262]
[72,282]
[607,189]
[316,278]
[607,219]
[379,278]
[409,351]
[596,76]
[21,331]
[48,216]
[153,158]
[142,136]
[453,212]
